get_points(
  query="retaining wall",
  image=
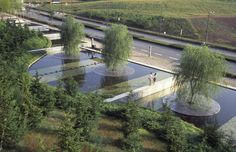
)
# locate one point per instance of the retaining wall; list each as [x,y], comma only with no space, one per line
[139,93]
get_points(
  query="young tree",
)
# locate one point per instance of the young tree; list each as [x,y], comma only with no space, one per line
[132,139]
[173,131]
[70,137]
[198,68]
[43,95]
[12,121]
[63,100]
[72,33]
[117,48]
[87,113]
[71,86]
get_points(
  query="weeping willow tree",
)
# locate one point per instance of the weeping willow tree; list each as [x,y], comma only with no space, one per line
[118,44]
[72,33]
[198,68]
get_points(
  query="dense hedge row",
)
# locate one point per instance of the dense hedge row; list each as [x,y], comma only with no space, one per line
[149,119]
[171,26]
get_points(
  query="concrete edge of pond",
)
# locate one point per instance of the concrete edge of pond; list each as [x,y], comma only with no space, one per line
[184,109]
[36,60]
[144,91]
[140,63]
[158,68]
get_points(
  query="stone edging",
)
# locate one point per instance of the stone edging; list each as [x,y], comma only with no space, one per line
[36,60]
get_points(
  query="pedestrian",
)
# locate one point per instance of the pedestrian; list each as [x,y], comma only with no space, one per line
[150,78]
[154,78]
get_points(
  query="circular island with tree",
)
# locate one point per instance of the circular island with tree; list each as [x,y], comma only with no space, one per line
[196,77]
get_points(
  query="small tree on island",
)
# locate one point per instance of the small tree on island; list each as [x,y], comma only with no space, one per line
[198,68]
[117,48]
[72,33]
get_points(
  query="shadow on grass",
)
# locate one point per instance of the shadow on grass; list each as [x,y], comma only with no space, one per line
[110,128]
[46,131]
[151,150]
[18,148]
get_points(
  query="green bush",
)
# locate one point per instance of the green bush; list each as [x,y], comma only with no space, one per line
[63,100]
[132,139]
[171,26]
[43,95]
[36,43]
[87,112]
[70,139]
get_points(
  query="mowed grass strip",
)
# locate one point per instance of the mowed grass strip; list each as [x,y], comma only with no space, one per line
[167,8]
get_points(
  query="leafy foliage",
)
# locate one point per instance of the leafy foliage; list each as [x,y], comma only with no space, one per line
[87,115]
[18,111]
[198,67]
[12,39]
[117,46]
[63,100]
[71,86]
[36,43]
[217,140]
[70,137]
[132,139]
[72,33]
[43,95]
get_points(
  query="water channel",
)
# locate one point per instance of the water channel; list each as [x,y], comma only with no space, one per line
[83,69]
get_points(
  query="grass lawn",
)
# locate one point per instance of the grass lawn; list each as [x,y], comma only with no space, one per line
[188,15]
[109,136]
[169,8]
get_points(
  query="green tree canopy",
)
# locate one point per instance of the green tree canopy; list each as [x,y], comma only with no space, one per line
[72,33]
[198,67]
[118,44]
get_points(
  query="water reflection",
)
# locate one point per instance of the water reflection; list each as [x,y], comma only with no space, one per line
[79,70]
[110,80]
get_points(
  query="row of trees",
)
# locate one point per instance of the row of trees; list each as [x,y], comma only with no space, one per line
[192,84]
[117,45]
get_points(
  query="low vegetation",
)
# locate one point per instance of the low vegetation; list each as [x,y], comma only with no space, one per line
[168,16]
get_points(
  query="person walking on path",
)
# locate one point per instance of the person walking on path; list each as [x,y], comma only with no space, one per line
[150,78]
[154,78]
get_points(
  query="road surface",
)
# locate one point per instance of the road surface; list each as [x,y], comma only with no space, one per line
[168,53]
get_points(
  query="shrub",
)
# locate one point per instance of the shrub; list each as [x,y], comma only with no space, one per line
[36,43]
[70,139]
[132,139]
[87,114]
[44,96]
[63,100]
